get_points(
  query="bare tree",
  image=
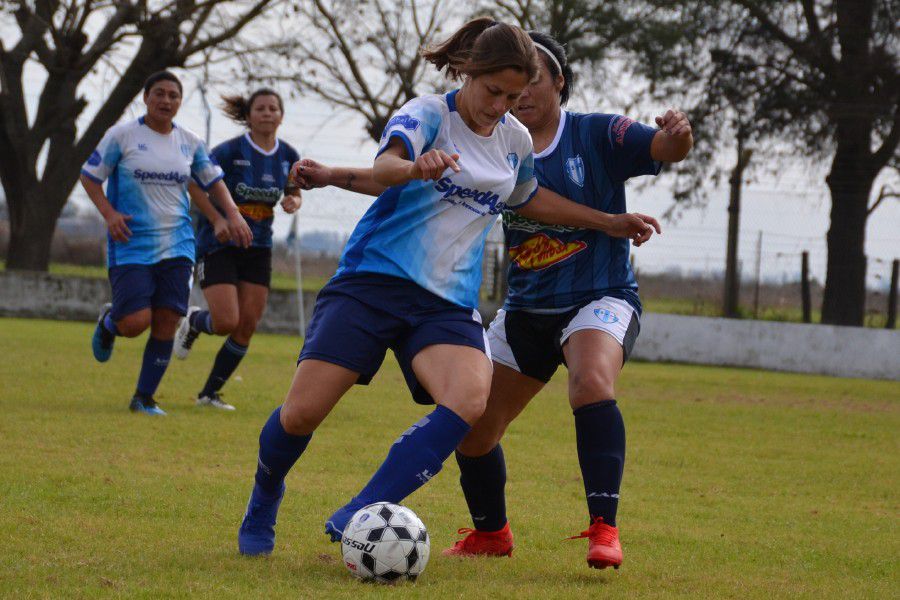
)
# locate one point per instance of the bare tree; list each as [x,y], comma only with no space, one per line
[41,153]
[361,56]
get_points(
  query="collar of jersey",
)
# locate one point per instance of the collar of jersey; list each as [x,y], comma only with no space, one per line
[559,129]
[141,122]
[257,148]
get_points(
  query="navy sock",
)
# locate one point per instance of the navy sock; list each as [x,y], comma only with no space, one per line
[227,360]
[483,479]
[109,325]
[201,321]
[416,456]
[278,451]
[600,434]
[156,360]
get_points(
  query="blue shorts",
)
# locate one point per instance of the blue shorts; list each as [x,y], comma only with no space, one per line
[358,317]
[166,284]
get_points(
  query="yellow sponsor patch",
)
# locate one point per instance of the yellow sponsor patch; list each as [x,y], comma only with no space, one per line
[541,251]
[257,212]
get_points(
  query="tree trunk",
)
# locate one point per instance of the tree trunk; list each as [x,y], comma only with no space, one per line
[32,227]
[850,182]
[731,304]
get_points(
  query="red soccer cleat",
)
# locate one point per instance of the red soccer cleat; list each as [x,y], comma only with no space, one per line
[604,549]
[483,543]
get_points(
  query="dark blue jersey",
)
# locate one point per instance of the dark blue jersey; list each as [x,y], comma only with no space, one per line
[588,162]
[256,180]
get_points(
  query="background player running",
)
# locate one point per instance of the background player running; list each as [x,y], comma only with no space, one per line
[409,277]
[235,280]
[149,163]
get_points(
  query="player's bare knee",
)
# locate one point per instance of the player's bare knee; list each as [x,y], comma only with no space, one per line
[480,440]
[296,420]
[133,325]
[587,388]
[224,324]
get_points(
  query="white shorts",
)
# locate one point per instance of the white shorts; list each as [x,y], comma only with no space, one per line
[531,343]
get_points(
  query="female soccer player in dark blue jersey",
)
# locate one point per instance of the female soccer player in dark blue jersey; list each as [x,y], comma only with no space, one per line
[235,280]
[572,299]
[410,275]
[150,163]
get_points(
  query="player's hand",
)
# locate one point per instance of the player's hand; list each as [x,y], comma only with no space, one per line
[239,230]
[117,223]
[221,230]
[675,123]
[432,164]
[291,204]
[635,226]
[309,174]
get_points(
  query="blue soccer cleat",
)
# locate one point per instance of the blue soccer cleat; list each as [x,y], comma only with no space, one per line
[257,533]
[145,405]
[337,522]
[102,341]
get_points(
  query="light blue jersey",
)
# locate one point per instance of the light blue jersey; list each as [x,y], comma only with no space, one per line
[433,232]
[148,176]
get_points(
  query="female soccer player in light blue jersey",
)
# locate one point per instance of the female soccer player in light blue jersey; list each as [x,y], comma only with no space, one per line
[572,299]
[409,277]
[235,280]
[149,164]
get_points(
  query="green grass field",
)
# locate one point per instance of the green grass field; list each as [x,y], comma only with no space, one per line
[738,484]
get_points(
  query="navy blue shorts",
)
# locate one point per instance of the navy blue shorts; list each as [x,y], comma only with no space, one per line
[166,284]
[358,317]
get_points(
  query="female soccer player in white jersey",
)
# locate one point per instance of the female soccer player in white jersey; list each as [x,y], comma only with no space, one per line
[235,280]
[150,163]
[572,298]
[409,277]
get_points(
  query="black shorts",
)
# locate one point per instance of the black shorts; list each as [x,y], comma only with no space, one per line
[531,343]
[231,265]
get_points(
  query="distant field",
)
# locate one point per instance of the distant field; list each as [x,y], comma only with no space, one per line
[739,484]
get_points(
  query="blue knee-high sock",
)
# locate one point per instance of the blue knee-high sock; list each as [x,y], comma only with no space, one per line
[483,479]
[227,360]
[156,360]
[278,451]
[201,321]
[600,434]
[415,457]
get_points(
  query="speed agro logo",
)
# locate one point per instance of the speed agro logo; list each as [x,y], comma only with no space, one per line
[541,251]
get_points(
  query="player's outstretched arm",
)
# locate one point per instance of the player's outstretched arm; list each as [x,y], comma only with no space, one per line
[392,166]
[551,208]
[116,222]
[240,231]
[311,174]
[674,139]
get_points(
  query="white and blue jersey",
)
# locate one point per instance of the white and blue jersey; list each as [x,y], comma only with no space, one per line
[148,176]
[556,267]
[433,232]
[256,179]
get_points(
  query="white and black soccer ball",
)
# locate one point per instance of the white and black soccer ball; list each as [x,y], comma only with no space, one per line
[386,543]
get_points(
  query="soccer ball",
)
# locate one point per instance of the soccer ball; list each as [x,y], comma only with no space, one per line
[386,543]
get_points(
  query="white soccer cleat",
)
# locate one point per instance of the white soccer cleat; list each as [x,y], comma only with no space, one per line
[215,401]
[186,335]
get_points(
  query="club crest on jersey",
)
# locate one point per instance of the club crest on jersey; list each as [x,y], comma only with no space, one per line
[541,251]
[285,166]
[513,159]
[95,159]
[606,315]
[186,150]
[575,170]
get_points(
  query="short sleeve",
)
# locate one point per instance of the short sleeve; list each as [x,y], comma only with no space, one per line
[416,124]
[629,144]
[104,158]
[526,184]
[204,168]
